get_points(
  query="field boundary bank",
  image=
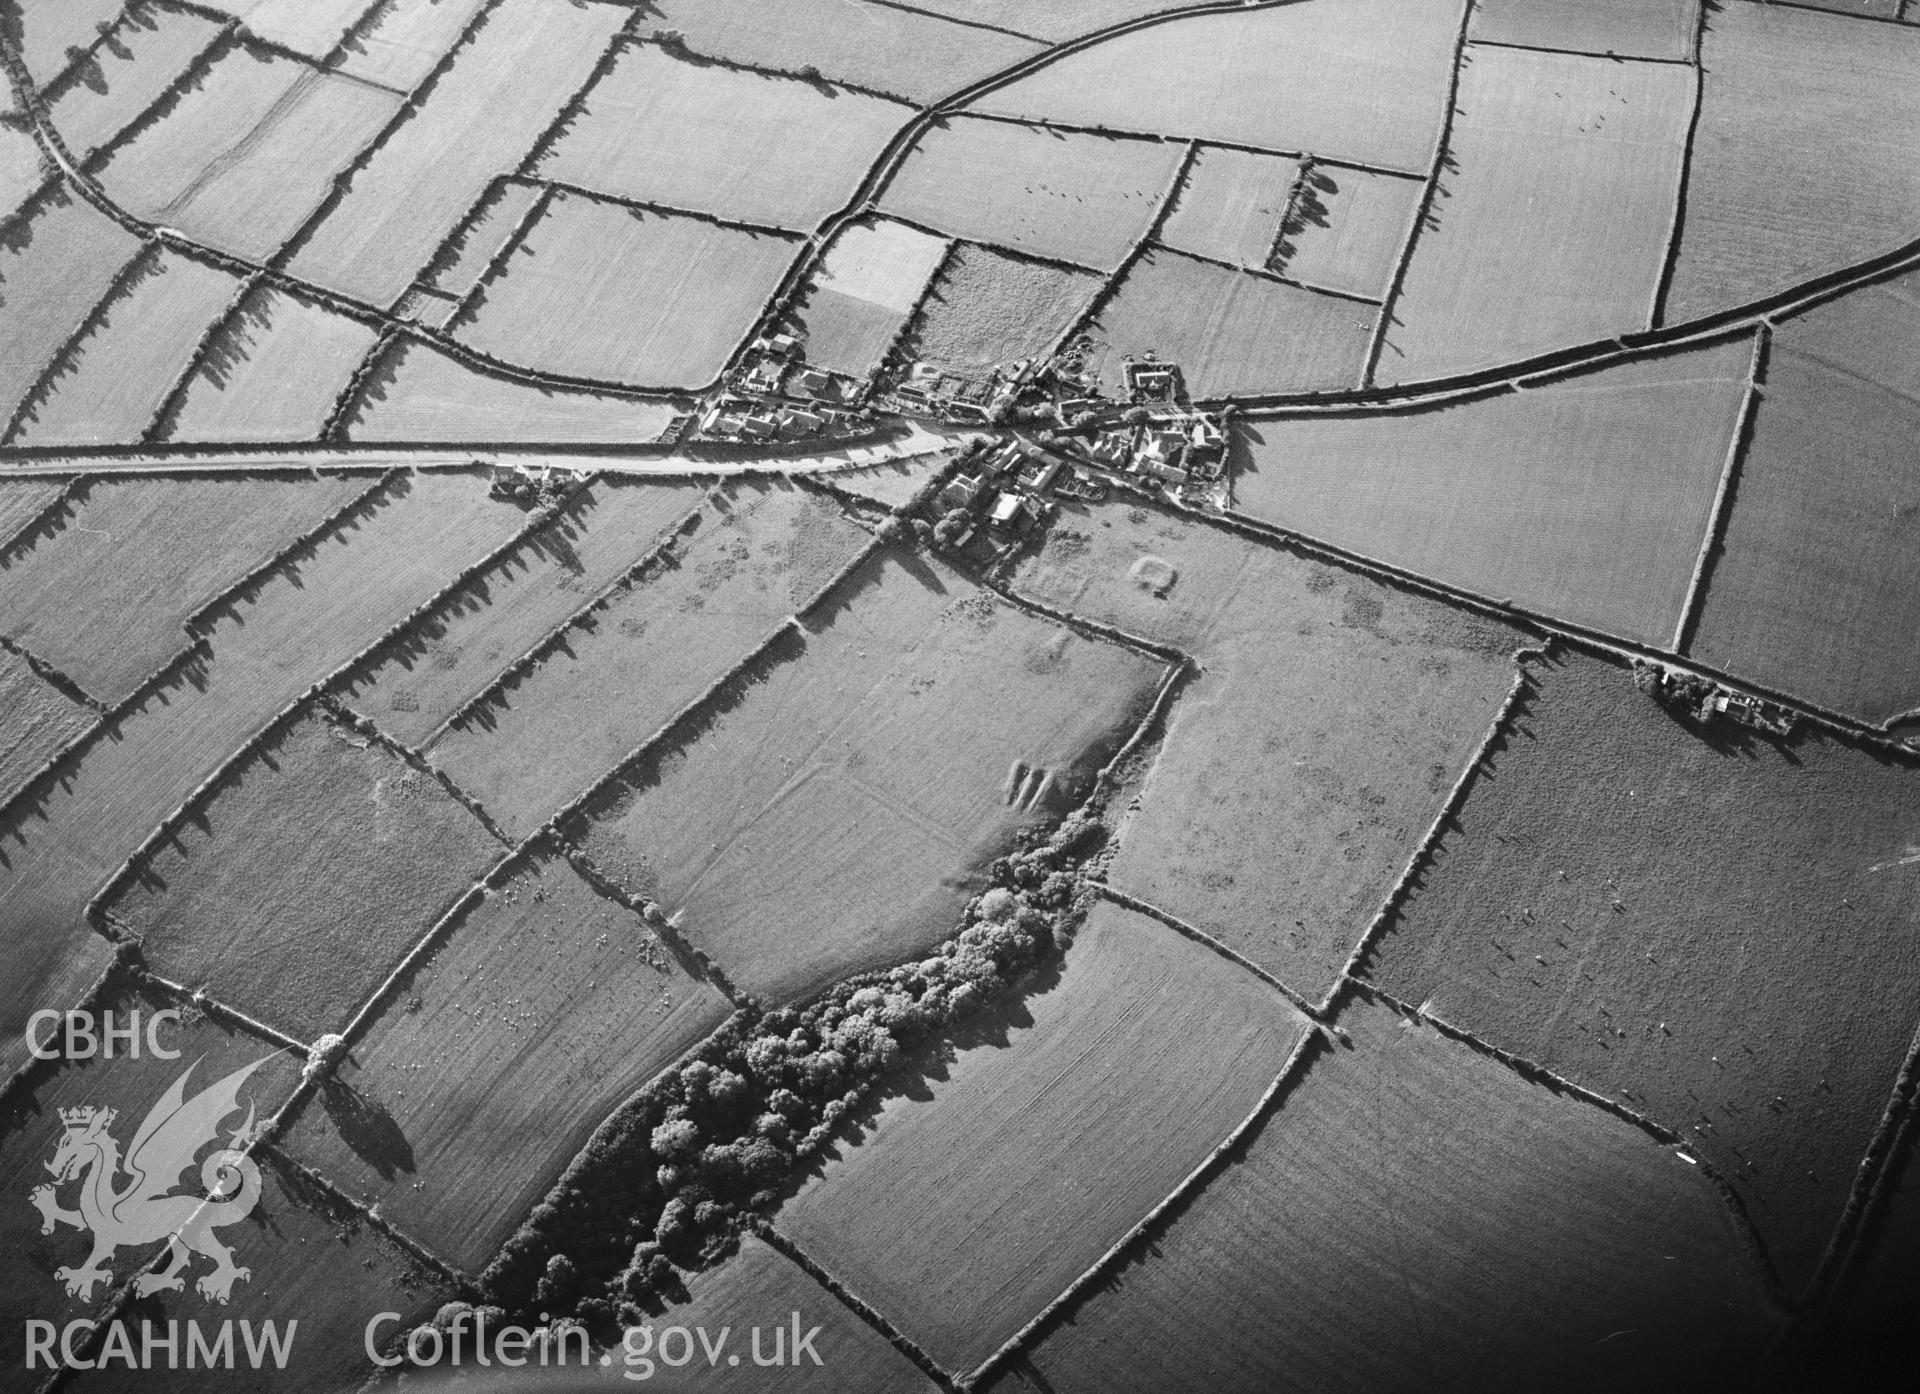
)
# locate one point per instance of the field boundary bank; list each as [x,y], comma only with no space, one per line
[1429,191]
[693,960]
[67,357]
[136,863]
[1292,1070]
[1597,353]
[1725,496]
[1539,1075]
[862,1309]
[1677,226]
[1418,861]
[508,677]
[341,715]
[1127,901]
[53,676]
[1871,1195]
[1267,273]
[199,650]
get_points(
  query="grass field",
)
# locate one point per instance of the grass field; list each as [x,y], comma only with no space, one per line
[423,395]
[131,1087]
[1230,205]
[273,373]
[297,628]
[609,292]
[248,153]
[131,358]
[1350,231]
[1817,572]
[1044,1135]
[1781,191]
[151,49]
[496,218]
[758,1286]
[499,1054]
[1553,226]
[989,307]
[887,50]
[21,171]
[1302,768]
[1310,77]
[54,268]
[1614,28]
[502,90]
[1230,331]
[145,554]
[510,607]
[36,720]
[743,145]
[53,33]
[862,292]
[620,676]
[1080,198]
[404,42]
[1706,930]
[306,878]
[1587,499]
[1417,1216]
[835,811]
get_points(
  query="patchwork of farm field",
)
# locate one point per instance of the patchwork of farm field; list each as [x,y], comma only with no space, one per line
[1812,589]
[491,1061]
[196,539]
[1415,1215]
[416,393]
[1347,229]
[112,381]
[883,48]
[1245,928]
[247,152]
[988,306]
[862,292]
[55,267]
[1587,497]
[609,681]
[1232,332]
[1778,192]
[758,148]
[1044,1135]
[1362,703]
[272,370]
[1552,221]
[1231,205]
[835,807]
[506,81]
[620,294]
[453,656]
[316,612]
[1700,926]
[1082,199]
[1312,78]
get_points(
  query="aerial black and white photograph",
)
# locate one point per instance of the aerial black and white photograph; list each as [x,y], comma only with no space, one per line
[959,696]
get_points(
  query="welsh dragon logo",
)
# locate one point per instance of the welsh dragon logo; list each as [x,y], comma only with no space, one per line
[146,1208]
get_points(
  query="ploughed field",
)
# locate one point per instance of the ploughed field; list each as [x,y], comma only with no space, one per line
[1258,939]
